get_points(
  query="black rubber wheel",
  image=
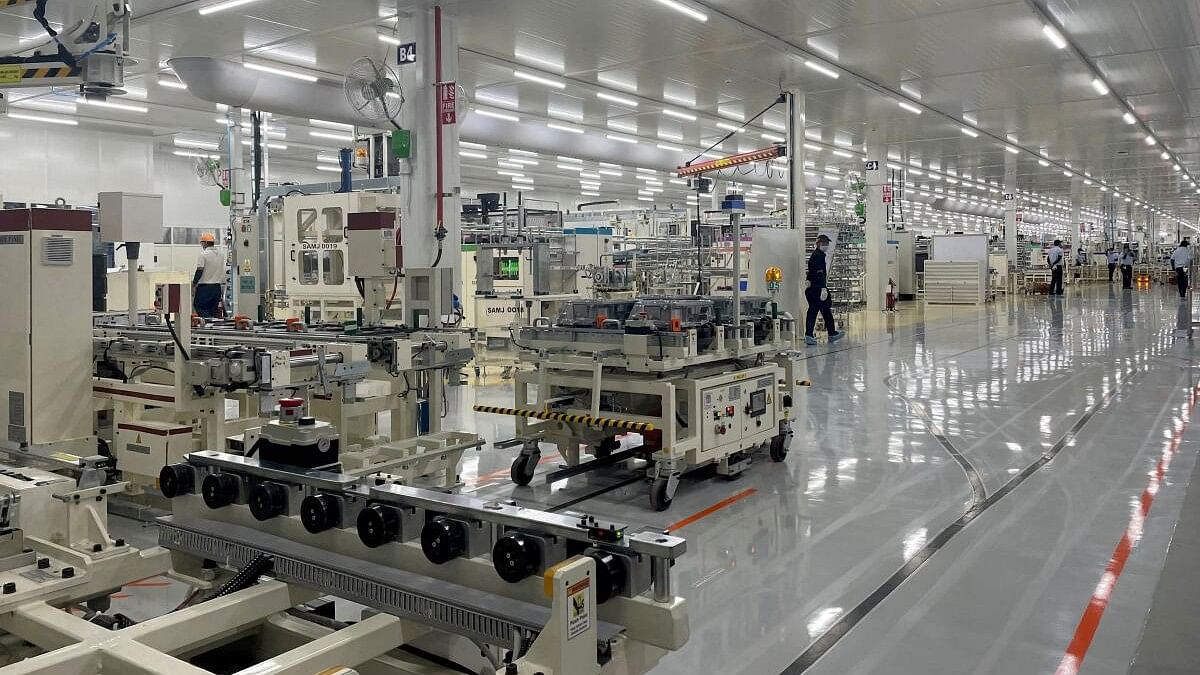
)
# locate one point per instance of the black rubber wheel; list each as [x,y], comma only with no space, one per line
[523,467]
[779,449]
[176,479]
[659,500]
[220,489]
[268,500]
[516,556]
[443,540]
[319,512]
[377,525]
[610,576]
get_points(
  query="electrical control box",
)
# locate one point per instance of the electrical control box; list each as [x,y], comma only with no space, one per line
[738,411]
[126,216]
[375,244]
[46,337]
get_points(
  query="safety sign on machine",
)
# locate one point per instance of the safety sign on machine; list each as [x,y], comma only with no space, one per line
[448,102]
[579,618]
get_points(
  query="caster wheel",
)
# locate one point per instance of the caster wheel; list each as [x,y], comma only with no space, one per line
[659,500]
[523,467]
[779,449]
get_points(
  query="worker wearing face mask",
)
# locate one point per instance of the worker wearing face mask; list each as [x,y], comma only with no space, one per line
[210,272]
[1055,258]
[1181,261]
[817,294]
[1127,260]
[1113,259]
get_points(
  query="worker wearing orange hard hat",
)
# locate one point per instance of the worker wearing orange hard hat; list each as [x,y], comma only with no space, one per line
[210,272]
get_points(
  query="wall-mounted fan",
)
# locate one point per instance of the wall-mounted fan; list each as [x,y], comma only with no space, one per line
[373,90]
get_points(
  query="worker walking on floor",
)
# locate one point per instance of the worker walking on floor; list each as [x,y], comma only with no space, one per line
[1081,261]
[1055,258]
[817,294]
[1113,259]
[1127,267]
[1181,261]
[210,272]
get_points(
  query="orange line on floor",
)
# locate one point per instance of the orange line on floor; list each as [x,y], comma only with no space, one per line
[505,472]
[1089,623]
[700,515]
[119,596]
[148,584]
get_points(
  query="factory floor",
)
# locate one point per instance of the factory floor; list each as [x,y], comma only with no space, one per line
[971,490]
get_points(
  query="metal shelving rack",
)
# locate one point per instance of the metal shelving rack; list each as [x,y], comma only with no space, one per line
[847,269]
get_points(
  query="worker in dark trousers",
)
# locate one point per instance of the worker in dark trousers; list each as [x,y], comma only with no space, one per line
[210,272]
[817,294]
[1181,261]
[1055,258]
[1113,258]
[1127,260]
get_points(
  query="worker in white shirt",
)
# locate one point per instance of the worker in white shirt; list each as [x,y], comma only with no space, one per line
[1181,261]
[1055,258]
[210,272]
[1113,259]
[1081,260]
[1127,259]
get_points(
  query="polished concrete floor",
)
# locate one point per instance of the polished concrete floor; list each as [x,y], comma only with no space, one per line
[971,490]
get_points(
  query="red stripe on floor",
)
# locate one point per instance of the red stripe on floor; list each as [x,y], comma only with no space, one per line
[504,472]
[1089,623]
[700,515]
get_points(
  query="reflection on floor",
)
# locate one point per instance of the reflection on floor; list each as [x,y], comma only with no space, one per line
[1047,422]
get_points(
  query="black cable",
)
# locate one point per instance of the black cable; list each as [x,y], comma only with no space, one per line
[245,577]
[781,99]
[175,336]
[148,366]
[39,13]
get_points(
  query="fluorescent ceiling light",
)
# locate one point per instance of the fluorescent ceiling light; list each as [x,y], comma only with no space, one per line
[539,79]
[521,179]
[585,174]
[1042,162]
[711,155]
[589,184]
[332,125]
[645,199]
[469,144]
[189,143]
[1129,118]
[497,115]
[617,99]
[676,181]
[330,169]
[569,114]
[321,157]
[970,132]
[171,83]
[1054,36]
[570,167]
[646,171]
[270,146]
[1178,168]
[572,160]
[1067,174]
[622,139]
[188,153]
[669,148]
[683,9]
[666,136]
[1099,86]
[610,172]
[772,137]
[730,127]
[526,153]
[843,153]
[472,155]
[588,194]
[519,161]
[496,100]
[222,6]
[1151,140]
[679,115]
[49,120]
[812,147]
[114,106]
[538,60]
[347,138]
[564,127]
[1166,155]
[824,70]
[909,107]
[1012,150]
[389,39]
[514,174]
[283,72]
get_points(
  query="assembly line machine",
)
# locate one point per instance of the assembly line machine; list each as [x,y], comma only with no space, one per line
[704,380]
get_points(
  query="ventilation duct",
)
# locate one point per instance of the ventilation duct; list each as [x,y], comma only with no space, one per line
[227,82]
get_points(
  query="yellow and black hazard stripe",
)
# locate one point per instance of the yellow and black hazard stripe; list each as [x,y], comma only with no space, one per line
[624,425]
[15,73]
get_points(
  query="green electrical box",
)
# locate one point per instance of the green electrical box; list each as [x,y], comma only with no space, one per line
[402,144]
[226,197]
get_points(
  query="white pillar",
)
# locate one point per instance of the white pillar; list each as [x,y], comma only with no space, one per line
[1076,207]
[876,226]
[797,200]
[1010,208]
[421,114]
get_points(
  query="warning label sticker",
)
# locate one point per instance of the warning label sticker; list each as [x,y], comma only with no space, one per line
[579,617]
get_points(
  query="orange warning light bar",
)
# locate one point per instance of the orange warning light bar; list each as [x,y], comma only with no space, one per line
[733,160]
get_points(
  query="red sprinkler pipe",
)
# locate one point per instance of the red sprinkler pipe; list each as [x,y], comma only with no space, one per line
[437,60]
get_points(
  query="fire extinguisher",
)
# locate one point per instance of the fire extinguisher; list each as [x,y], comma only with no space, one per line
[891,296]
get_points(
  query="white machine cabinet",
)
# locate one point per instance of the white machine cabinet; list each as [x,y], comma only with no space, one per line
[46,335]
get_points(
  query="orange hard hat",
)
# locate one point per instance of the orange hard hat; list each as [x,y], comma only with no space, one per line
[208,238]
